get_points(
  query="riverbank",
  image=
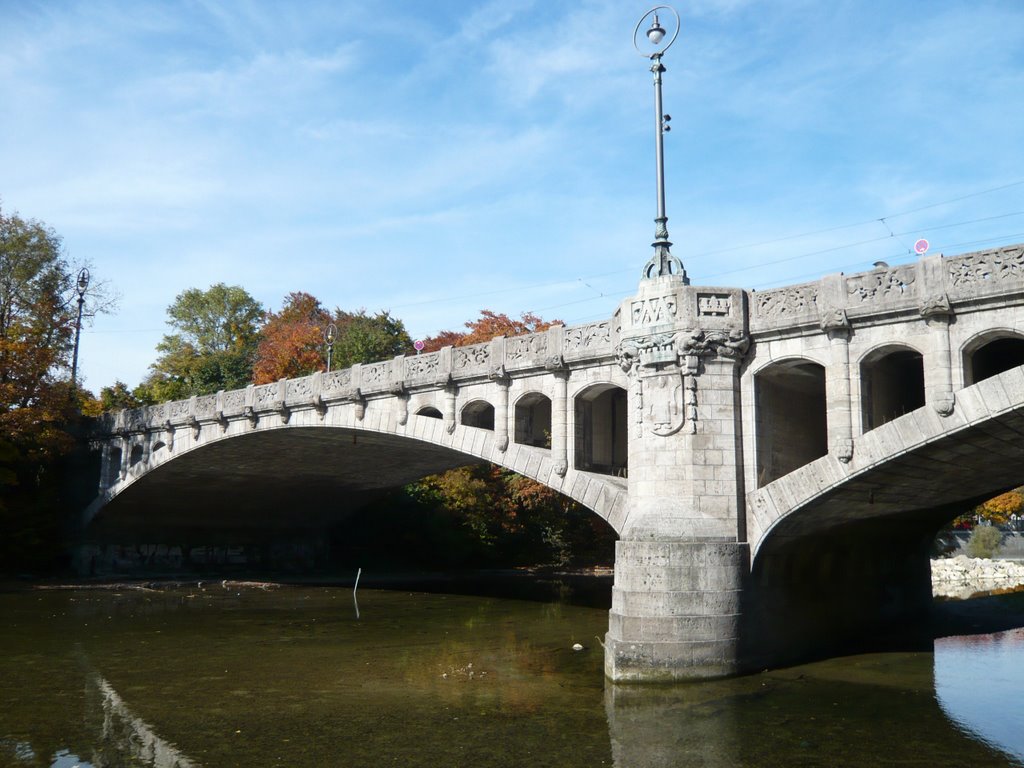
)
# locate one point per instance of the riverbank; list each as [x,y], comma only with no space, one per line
[961,577]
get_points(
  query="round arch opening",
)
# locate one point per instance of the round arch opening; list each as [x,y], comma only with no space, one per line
[533,420]
[991,356]
[601,437]
[478,413]
[892,384]
[791,417]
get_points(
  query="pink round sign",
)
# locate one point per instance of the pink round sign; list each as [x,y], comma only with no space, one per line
[418,345]
[921,246]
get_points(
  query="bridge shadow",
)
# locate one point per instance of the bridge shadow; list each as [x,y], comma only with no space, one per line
[842,550]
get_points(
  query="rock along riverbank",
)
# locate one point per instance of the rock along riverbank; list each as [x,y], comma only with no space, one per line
[961,577]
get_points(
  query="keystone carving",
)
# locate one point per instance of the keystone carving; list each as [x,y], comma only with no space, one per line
[843,449]
[250,414]
[944,403]
[320,406]
[936,305]
[555,363]
[196,427]
[834,320]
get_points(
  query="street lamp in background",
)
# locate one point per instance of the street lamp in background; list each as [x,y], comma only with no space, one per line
[653,46]
[330,334]
[81,287]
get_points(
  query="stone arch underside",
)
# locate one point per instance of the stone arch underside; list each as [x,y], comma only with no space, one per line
[308,477]
[841,551]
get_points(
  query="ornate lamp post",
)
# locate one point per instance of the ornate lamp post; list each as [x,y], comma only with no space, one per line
[82,287]
[663,262]
[330,334]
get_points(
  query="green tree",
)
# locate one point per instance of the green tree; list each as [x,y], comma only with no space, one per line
[364,338]
[117,397]
[214,347]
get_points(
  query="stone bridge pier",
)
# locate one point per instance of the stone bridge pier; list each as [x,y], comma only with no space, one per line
[681,561]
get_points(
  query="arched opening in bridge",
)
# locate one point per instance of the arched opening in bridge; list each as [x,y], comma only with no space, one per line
[991,356]
[791,420]
[135,456]
[891,384]
[601,438]
[112,470]
[533,420]
[478,413]
[430,412]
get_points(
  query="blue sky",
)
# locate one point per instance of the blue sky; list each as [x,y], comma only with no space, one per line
[435,158]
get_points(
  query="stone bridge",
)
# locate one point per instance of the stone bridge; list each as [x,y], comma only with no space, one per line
[775,463]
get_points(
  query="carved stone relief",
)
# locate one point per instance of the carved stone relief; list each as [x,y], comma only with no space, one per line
[882,285]
[786,302]
[526,347]
[422,366]
[714,305]
[587,336]
[471,356]
[658,309]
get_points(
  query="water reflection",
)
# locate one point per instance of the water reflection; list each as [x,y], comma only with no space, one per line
[978,683]
[215,677]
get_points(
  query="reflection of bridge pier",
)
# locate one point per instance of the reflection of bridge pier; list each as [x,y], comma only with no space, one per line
[754,450]
[127,735]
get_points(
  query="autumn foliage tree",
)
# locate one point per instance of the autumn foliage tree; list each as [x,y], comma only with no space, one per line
[292,340]
[514,516]
[38,402]
[488,326]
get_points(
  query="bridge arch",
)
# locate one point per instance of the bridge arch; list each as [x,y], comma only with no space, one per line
[477,413]
[533,420]
[891,383]
[311,456]
[601,439]
[840,550]
[991,352]
[791,422]
[429,412]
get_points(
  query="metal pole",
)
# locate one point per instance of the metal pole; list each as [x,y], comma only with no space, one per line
[78,333]
[663,263]
[661,222]
[330,333]
[83,285]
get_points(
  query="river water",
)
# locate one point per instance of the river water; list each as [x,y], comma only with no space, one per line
[237,675]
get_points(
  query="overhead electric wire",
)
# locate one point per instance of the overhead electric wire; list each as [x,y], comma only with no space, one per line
[810,233]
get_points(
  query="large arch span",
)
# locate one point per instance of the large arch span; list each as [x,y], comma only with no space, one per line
[261,474]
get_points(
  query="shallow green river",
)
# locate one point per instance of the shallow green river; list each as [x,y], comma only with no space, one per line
[292,677]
